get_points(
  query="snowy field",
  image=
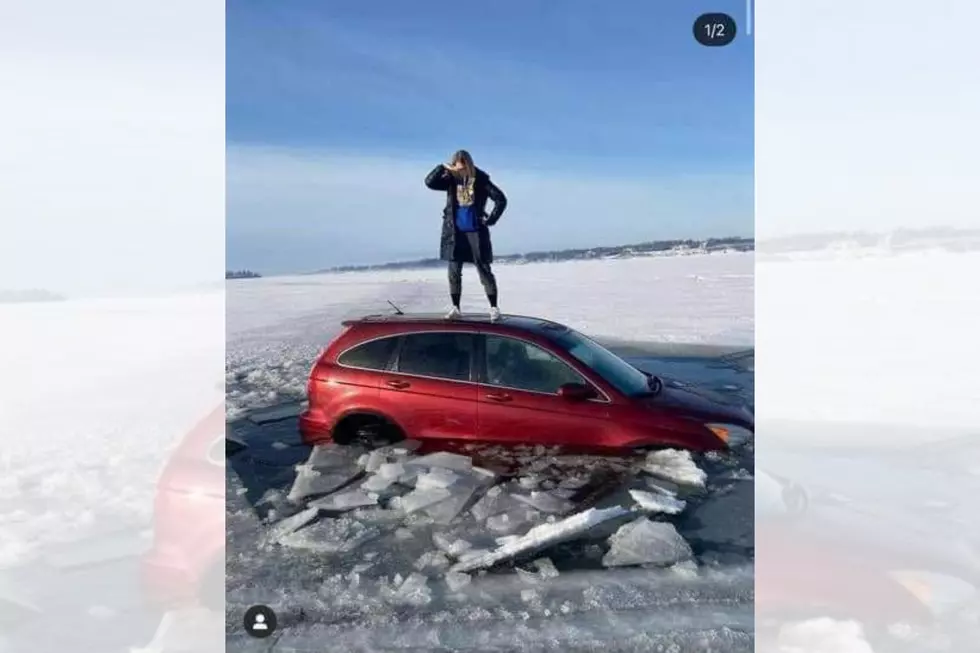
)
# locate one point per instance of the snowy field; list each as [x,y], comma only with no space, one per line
[491,549]
[277,325]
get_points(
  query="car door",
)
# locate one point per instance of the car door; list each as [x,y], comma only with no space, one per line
[519,401]
[430,388]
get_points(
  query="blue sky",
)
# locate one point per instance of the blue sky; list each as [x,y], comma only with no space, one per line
[605,123]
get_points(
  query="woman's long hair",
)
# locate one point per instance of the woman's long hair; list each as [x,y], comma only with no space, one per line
[469,170]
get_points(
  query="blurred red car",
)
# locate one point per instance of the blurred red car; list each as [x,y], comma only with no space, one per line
[186,561]
[520,380]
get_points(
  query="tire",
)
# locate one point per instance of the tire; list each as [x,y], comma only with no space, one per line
[371,431]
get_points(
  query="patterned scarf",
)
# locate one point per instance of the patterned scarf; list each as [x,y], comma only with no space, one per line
[465,194]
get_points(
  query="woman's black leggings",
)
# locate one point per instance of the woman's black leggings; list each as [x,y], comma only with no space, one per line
[482,268]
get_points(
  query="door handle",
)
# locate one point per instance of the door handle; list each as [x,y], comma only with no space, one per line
[499,396]
[397,385]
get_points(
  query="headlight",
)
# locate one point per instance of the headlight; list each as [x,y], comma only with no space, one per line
[940,593]
[730,434]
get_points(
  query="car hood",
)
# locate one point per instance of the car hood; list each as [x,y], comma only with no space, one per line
[701,403]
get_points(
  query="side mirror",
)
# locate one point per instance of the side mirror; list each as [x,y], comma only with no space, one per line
[576,392]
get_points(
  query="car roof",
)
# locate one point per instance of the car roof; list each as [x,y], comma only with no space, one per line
[524,323]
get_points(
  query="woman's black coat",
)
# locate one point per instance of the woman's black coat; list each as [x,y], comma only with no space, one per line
[452,248]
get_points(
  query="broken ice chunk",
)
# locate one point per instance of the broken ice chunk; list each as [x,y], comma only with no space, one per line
[316,481]
[377,483]
[454,548]
[437,477]
[645,542]
[661,501]
[400,449]
[333,455]
[473,554]
[345,500]
[573,482]
[529,482]
[414,590]
[485,506]
[546,502]
[339,535]
[293,523]
[456,580]
[391,470]
[542,536]
[511,520]
[675,465]
[432,560]
[375,460]
[483,475]
[546,568]
[443,459]
[418,499]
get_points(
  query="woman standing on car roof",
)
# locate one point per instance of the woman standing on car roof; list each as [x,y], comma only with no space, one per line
[466,224]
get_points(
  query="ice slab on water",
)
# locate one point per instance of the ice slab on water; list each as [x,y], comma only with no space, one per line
[646,542]
[377,483]
[293,523]
[420,498]
[497,500]
[444,459]
[658,501]
[544,535]
[546,502]
[675,465]
[437,477]
[338,535]
[345,500]
[432,560]
[314,481]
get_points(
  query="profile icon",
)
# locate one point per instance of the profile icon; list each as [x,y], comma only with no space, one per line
[259,621]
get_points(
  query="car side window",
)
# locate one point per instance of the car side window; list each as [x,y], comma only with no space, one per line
[438,355]
[523,366]
[372,355]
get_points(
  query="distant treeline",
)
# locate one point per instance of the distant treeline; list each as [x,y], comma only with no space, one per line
[945,238]
[617,251]
[241,274]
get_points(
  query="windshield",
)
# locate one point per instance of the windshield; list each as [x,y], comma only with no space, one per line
[613,369]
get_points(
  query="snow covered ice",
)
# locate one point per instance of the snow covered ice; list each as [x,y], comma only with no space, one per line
[432,547]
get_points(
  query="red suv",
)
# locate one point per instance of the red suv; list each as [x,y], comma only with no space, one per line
[519,380]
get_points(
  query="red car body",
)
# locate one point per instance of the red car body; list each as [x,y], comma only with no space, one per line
[428,378]
[186,561]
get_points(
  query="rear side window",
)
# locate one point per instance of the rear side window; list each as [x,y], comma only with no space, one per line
[438,355]
[372,355]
